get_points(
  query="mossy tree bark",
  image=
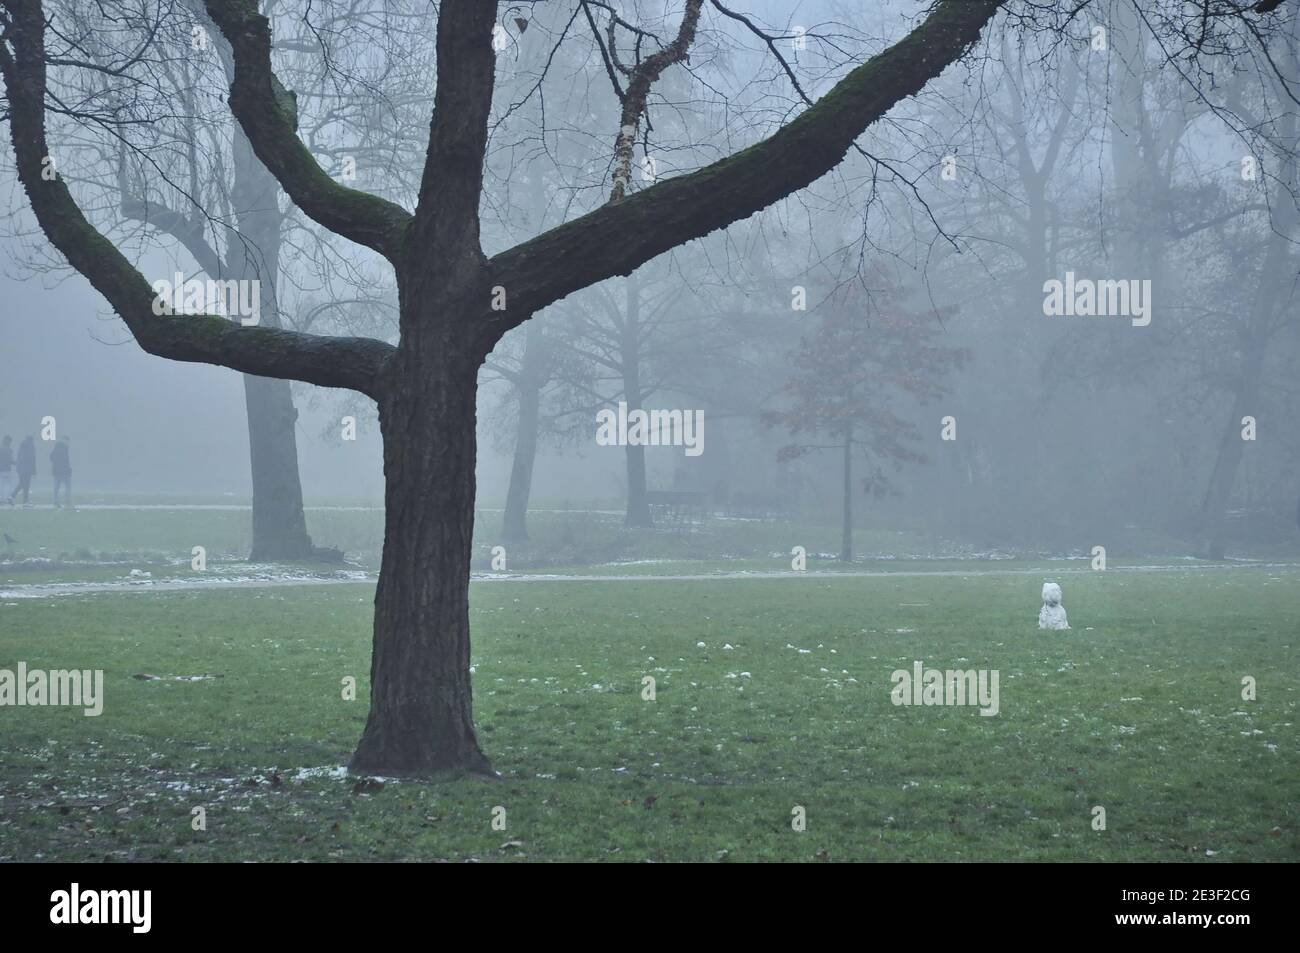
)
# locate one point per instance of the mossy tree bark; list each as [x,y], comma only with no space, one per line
[421,705]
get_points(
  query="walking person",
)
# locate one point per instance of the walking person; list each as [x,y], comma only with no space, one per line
[6,468]
[26,465]
[61,467]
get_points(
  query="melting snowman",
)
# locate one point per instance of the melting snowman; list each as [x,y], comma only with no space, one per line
[1052,614]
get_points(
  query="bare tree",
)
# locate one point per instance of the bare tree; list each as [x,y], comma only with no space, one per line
[455,301]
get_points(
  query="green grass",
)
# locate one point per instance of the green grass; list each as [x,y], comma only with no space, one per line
[1137,709]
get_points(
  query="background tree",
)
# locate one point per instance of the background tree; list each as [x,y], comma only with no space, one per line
[867,351]
[223,207]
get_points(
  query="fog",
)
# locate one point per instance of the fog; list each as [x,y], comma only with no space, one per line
[650,430]
[915,278]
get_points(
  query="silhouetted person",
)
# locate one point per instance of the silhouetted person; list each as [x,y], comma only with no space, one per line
[61,467]
[7,468]
[26,469]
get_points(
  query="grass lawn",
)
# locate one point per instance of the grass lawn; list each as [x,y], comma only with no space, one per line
[1137,709]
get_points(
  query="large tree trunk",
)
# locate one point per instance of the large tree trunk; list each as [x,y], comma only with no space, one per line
[421,717]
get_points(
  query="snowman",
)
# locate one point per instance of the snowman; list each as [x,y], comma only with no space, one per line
[1052,614]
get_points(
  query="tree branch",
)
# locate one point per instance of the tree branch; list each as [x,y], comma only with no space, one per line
[355,363]
[640,79]
[158,215]
[268,114]
[620,236]
[446,218]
